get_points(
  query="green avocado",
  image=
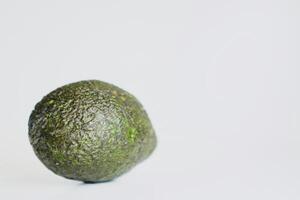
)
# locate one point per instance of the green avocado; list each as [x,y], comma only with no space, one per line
[90,131]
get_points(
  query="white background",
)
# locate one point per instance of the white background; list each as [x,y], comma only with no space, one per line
[219,79]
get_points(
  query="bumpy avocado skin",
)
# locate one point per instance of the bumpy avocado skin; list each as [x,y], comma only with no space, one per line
[90,131]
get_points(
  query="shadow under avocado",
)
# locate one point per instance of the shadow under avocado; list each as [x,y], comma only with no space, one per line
[95,182]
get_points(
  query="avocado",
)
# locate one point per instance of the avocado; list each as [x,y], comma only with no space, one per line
[90,131]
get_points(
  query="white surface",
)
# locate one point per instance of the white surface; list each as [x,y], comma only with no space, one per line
[219,79]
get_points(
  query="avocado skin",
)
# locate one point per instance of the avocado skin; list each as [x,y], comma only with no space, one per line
[90,131]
